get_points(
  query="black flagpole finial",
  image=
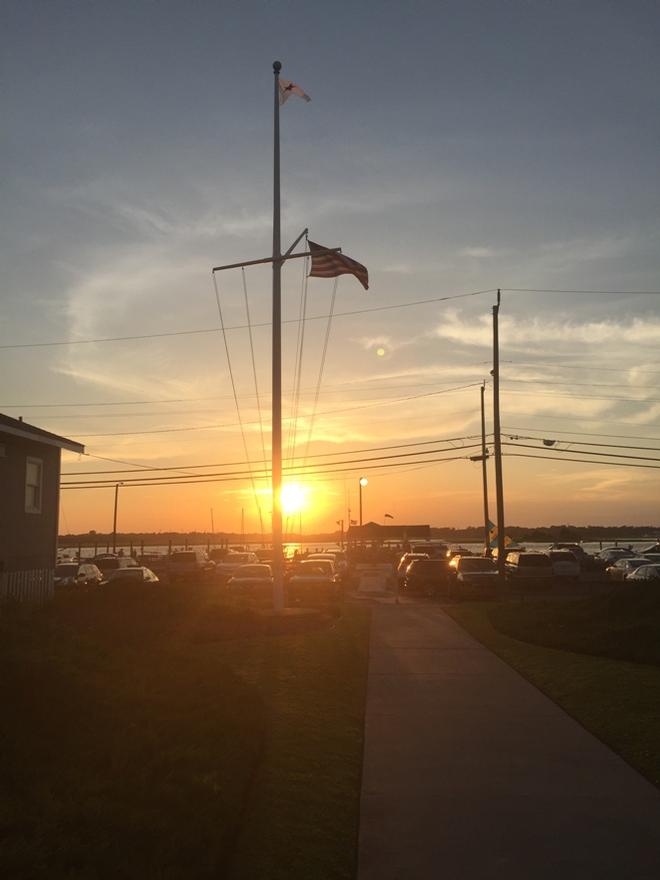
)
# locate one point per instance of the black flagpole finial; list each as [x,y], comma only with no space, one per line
[277,66]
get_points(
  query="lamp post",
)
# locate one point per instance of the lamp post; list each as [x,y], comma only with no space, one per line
[363,482]
[114,519]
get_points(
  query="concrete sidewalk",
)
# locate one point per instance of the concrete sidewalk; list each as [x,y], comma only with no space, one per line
[470,773]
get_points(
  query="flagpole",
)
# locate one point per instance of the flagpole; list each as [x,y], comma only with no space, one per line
[497,442]
[278,574]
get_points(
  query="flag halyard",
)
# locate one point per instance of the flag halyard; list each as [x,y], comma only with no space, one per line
[330,264]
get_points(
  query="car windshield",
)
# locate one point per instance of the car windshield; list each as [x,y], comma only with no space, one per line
[67,570]
[316,566]
[562,556]
[254,571]
[533,560]
[121,573]
[238,558]
[468,564]
[427,566]
[107,564]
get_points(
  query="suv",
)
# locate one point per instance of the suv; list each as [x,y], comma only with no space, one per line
[530,570]
[189,565]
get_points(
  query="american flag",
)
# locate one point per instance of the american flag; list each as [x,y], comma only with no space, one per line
[330,264]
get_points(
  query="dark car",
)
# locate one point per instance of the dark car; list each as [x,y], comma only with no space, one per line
[426,576]
[620,569]
[251,578]
[74,574]
[473,575]
[644,574]
[313,580]
[190,565]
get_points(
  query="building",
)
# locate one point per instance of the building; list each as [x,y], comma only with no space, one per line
[374,533]
[29,507]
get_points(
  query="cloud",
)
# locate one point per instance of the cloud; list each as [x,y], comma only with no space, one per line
[479,253]
[518,332]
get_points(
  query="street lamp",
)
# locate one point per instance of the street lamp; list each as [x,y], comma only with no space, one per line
[114,520]
[363,482]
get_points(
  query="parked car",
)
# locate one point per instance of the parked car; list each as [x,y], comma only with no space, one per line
[426,576]
[620,569]
[404,562]
[564,564]
[313,580]
[217,554]
[433,551]
[644,573]
[653,548]
[584,558]
[528,570]
[193,564]
[472,575]
[137,574]
[611,554]
[232,562]
[251,578]
[109,562]
[83,574]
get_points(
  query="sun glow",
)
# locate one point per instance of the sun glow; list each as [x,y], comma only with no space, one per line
[294,498]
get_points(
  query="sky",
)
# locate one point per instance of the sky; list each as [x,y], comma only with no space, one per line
[451,147]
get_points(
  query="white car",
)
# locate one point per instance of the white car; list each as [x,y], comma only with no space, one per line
[644,573]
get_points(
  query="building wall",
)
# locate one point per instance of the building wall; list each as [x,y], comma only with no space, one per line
[28,541]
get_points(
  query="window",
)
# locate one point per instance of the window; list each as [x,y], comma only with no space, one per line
[33,483]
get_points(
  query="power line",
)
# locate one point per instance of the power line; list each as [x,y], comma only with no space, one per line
[314,455]
[582,460]
[586,434]
[604,292]
[587,452]
[582,443]
[419,302]
[265,472]
[325,412]
[294,474]
[584,396]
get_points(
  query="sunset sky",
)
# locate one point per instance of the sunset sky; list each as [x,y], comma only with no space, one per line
[451,147]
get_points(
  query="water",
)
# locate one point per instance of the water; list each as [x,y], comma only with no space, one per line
[591,547]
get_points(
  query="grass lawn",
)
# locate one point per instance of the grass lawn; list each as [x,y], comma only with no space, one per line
[617,700]
[140,738]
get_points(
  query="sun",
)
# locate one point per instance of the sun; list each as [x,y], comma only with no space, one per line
[294,497]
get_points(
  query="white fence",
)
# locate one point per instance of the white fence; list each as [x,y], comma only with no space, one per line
[26,586]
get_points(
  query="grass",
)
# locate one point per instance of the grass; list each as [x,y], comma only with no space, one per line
[137,740]
[623,624]
[617,700]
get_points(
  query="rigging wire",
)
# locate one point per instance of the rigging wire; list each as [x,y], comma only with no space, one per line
[586,434]
[324,353]
[254,366]
[233,385]
[297,369]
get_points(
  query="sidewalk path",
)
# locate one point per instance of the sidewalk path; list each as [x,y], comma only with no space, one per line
[470,773]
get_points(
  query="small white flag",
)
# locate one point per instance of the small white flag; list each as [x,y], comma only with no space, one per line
[287,88]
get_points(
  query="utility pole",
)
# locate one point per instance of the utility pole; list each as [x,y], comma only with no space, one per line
[499,489]
[484,470]
[114,519]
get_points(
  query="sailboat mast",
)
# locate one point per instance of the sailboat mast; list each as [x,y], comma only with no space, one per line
[278,574]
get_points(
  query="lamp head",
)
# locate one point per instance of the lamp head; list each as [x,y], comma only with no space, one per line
[364,481]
